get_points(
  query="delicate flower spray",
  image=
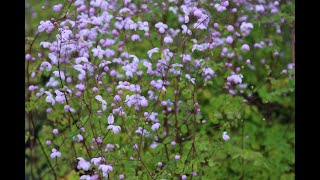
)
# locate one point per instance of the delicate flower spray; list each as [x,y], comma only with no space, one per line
[125,88]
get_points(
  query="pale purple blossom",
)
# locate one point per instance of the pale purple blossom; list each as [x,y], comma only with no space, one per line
[78,138]
[57,7]
[229,40]
[103,102]
[168,40]
[83,164]
[162,27]
[183,177]
[135,37]
[55,153]
[236,78]
[230,28]
[110,119]
[97,161]
[190,79]
[151,51]
[46,65]
[55,131]
[45,26]
[245,47]
[105,169]
[155,126]
[225,136]
[186,30]
[98,52]
[115,129]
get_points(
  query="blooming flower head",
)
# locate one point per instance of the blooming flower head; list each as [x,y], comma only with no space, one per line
[98,52]
[55,153]
[105,169]
[245,47]
[110,119]
[237,79]
[78,138]
[229,40]
[57,7]
[121,176]
[151,51]
[225,136]
[155,126]
[162,27]
[104,103]
[55,131]
[97,161]
[115,129]
[45,26]
[168,40]
[230,28]
[83,164]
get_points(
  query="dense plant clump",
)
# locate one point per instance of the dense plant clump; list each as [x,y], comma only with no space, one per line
[174,89]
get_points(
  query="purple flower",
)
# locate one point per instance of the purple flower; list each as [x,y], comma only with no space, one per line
[159,164]
[86,177]
[28,56]
[190,79]
[117,98]
[164,103]
[45,26]
[98,52]
[97,161]
[246,26]
[229,40]
[57,7]
[46,65]
[143,26]
[110,119]
[115,129]
[151,51]
[237,79]
[168,40]
[55,131]
[220,8]
[78,138]
[230,28]
[66,108]
[183,177]
[83,164]
[186,30]
[161,27]
[225,3]
[105,168]
[121,176]
[55,153]
[197,13]
[176,157]
[155,126]
[48,142]
[103,102]
[245,47]
[225,136]
[135,37]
